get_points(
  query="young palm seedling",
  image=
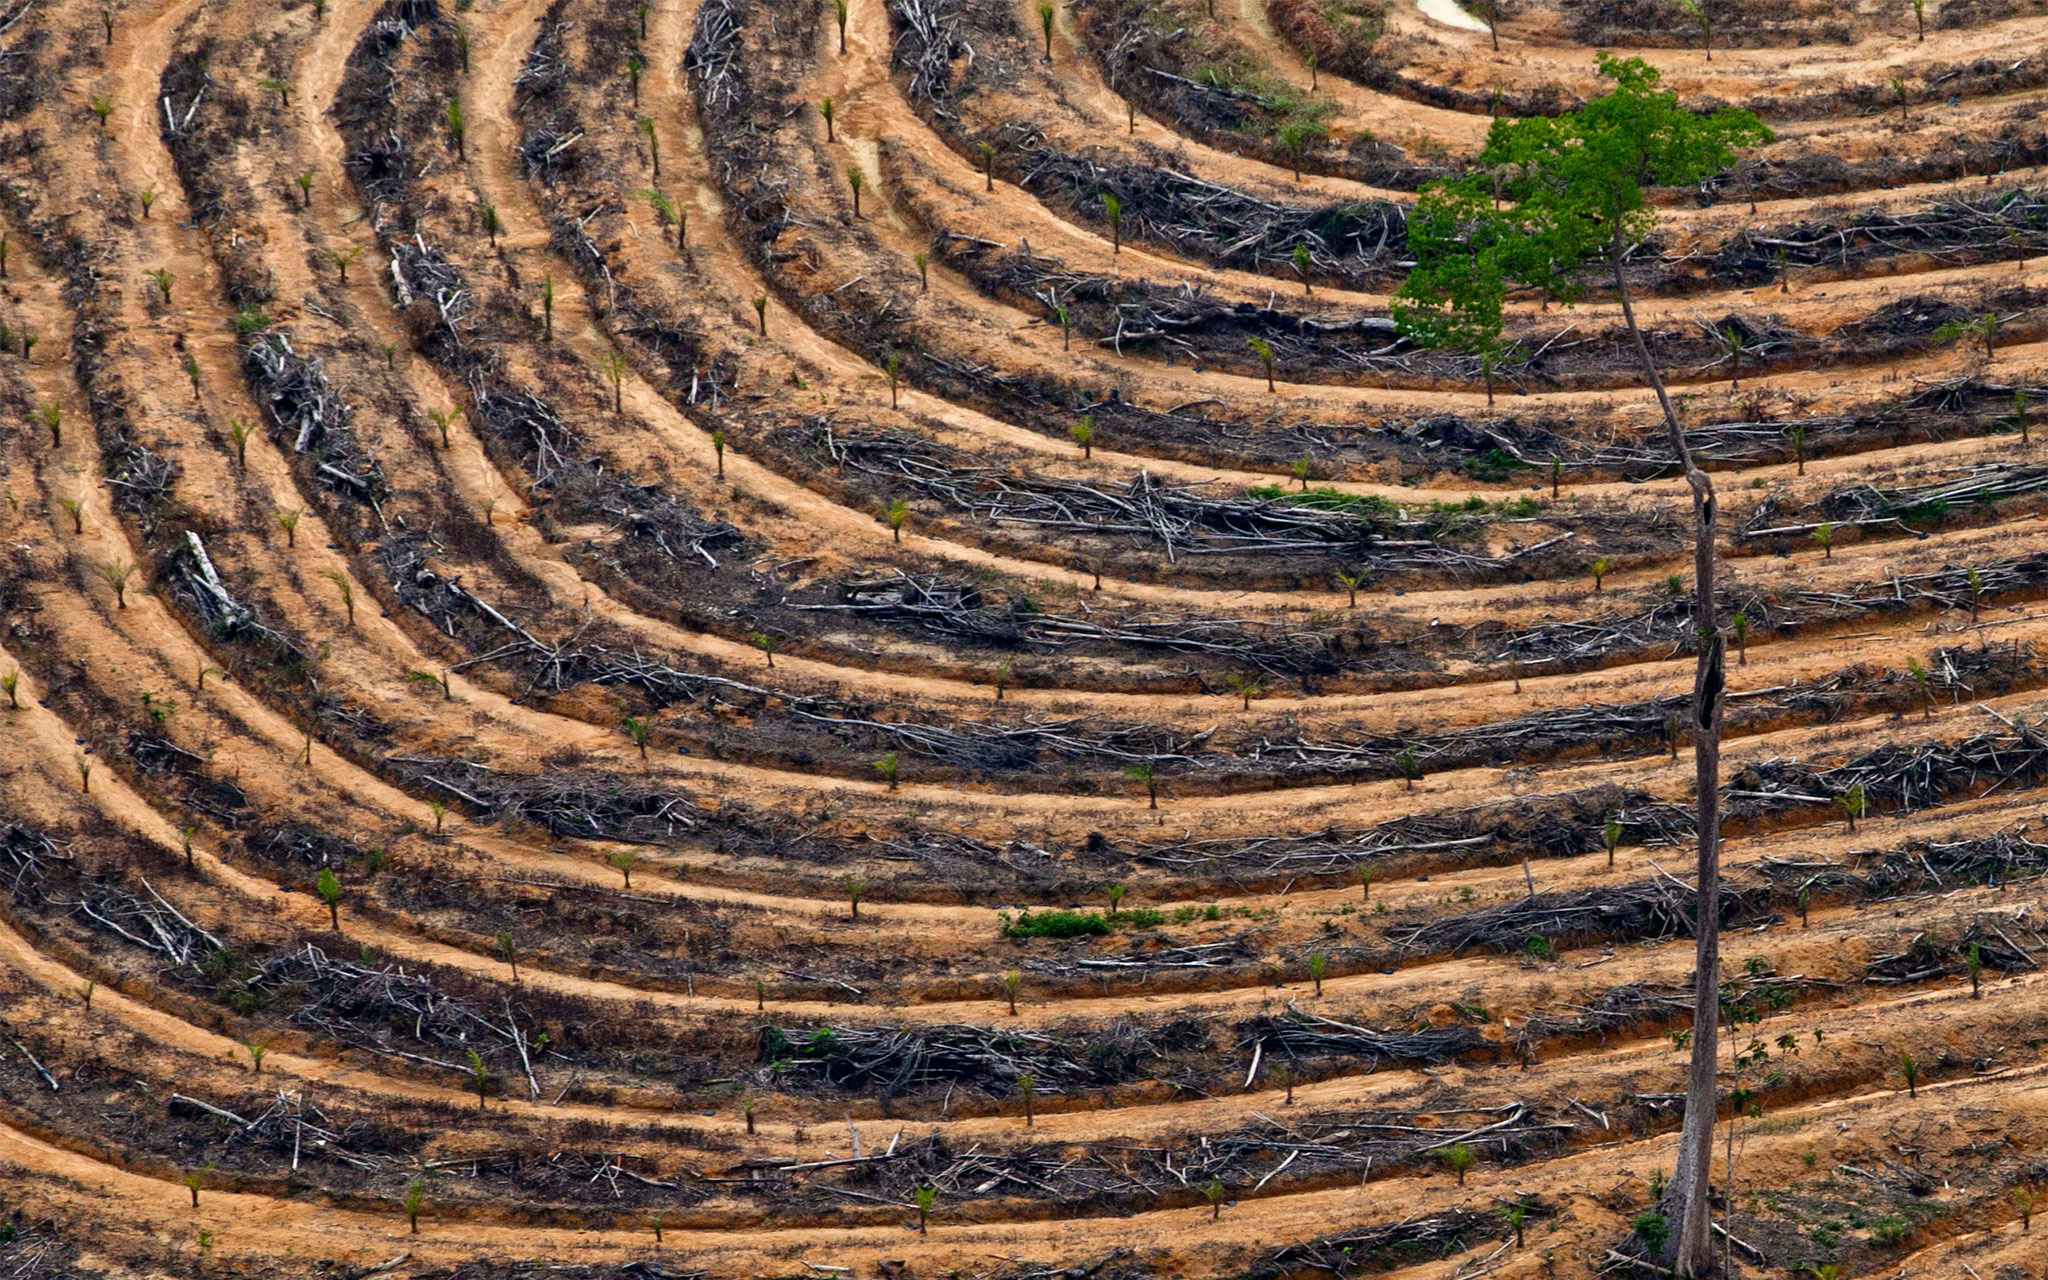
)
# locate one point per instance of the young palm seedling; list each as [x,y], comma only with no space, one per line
[1013,981]
[341,260]
[117,573]
[613,366]
[347,591]
[645,124]
[329,890]
[1264,351]
[855,889]
[1147,774]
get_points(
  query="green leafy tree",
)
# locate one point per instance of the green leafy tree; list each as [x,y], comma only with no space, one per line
[1574,188]
[1454,296]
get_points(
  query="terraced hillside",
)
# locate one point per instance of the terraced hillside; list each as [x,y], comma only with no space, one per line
[896,669]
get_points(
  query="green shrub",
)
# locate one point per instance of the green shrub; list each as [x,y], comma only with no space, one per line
[1058,923]
[1652,1230]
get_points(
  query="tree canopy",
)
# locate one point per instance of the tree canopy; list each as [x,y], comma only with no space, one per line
[1548,196]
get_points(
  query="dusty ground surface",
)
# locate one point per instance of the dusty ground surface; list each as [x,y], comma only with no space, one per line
[576,706]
